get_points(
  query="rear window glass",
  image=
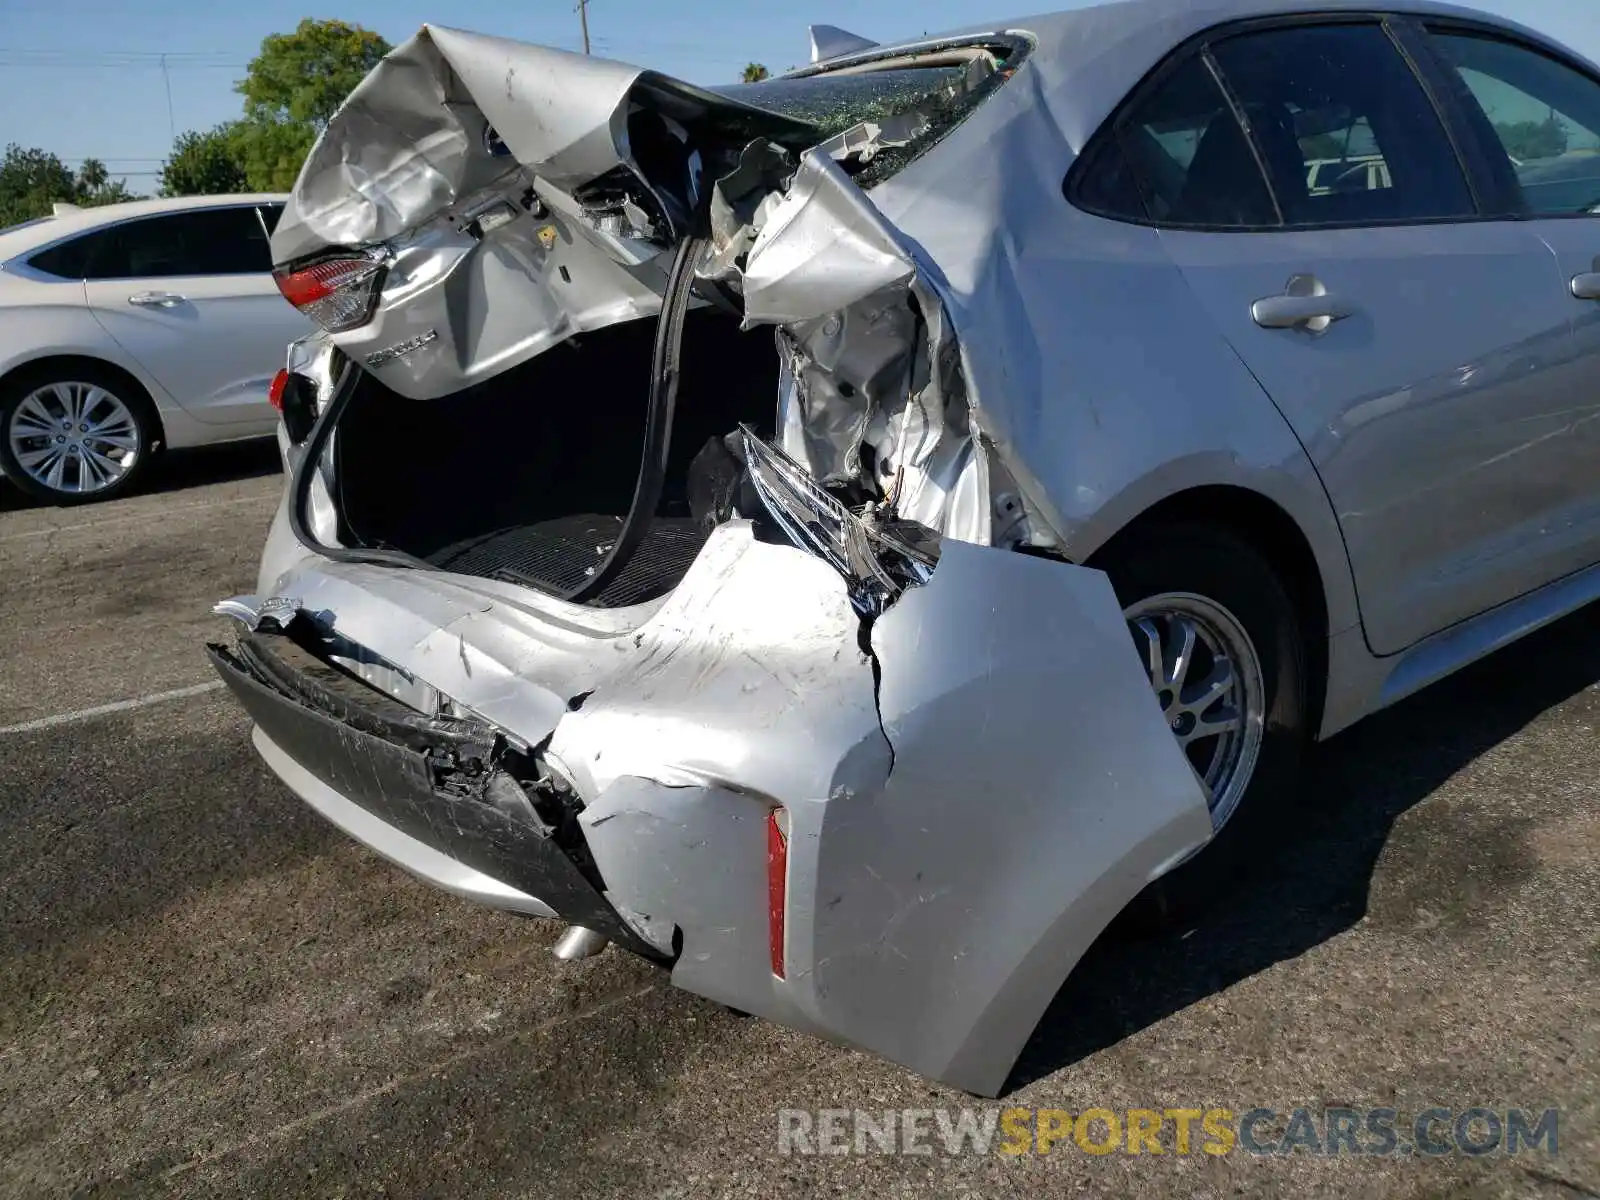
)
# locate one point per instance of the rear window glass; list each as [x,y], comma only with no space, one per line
[945,95]
[69,260]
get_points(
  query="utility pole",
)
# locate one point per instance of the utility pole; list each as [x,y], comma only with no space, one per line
[583,18]
[166,79]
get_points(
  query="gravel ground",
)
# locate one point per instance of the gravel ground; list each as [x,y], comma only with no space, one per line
[206,991]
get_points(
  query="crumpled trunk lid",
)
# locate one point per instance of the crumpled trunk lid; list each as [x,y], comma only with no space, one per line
[449,113]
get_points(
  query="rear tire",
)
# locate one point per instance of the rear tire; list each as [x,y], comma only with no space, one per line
[75,433]
[1224,590]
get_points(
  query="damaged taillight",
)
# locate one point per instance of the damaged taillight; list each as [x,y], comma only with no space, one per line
[777,884]
[878,554]
[338,292]
[275,390]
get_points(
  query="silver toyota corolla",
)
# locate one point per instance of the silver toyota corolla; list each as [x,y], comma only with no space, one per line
[845,538]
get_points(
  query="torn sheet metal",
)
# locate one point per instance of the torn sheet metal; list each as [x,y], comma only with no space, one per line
[433,122]
[976,777]
[821,249]
[1033,791]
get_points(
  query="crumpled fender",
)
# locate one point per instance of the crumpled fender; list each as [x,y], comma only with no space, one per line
[940,885]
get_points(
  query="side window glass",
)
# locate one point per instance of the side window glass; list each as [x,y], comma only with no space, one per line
[69,260]
[1107,187]
[1347,132]
[218,241]
[1191,161]
[1545,115]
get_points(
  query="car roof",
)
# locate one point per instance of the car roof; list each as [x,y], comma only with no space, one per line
[51,229]
[1090,58]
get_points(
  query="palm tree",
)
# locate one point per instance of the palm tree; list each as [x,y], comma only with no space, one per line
[755,73]
[92,176]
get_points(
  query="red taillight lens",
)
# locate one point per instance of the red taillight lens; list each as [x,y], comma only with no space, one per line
[337,293]
[275,392]
[777,884]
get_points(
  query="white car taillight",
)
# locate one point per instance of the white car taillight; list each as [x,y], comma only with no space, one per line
[338,292]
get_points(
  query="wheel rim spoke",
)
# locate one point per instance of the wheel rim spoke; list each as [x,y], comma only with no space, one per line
[74,437]
[1208,681]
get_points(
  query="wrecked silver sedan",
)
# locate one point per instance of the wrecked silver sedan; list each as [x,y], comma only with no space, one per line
[819,535]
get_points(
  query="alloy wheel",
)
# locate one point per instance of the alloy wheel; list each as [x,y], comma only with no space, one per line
[1207,676]
[74,438]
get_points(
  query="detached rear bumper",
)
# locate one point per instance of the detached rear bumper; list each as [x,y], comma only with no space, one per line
[975,782]
[386,795]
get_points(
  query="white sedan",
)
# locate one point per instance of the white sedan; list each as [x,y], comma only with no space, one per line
[133,327]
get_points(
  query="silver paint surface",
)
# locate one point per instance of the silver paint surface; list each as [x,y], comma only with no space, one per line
[976,793]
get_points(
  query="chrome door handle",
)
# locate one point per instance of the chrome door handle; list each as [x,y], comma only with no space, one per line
[155,299]
[1586,286]
[1305,304]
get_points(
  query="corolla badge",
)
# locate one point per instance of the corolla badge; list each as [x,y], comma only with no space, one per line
[390,353]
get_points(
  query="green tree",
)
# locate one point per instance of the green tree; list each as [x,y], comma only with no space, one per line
[31,180]
[92,177]
[1526,140]
[755,73]
[204,164]
[301,78]
[271,152]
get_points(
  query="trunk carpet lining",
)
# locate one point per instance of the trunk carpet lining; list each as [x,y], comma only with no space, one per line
[557,554]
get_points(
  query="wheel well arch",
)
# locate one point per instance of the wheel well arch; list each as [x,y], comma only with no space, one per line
[1265,526]
[49,363]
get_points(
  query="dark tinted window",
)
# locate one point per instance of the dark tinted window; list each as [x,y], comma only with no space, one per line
[1545,116]
[1347,133]
[217,241]
[1192,162]
[69,260]
[1107,185]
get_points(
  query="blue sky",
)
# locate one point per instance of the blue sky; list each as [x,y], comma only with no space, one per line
[81,77]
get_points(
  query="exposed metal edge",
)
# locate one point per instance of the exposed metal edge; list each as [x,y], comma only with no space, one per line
[1448,651]
[404,851]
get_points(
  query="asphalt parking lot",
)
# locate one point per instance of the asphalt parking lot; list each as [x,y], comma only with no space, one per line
[205,991]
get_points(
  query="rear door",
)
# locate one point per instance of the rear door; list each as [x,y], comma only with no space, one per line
[1416,349]
[1536,116]
[190,295]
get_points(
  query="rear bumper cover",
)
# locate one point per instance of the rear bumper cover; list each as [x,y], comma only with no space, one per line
[976,781]
[384,794]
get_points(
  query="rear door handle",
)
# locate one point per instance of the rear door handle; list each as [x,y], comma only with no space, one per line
[155,299]
[1305,304]
[1587,285]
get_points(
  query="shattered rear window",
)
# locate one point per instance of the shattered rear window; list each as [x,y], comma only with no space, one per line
[946,95]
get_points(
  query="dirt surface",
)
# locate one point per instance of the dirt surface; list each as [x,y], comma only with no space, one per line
[206,991]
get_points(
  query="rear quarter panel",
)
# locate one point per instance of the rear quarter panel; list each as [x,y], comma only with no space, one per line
[1094,373]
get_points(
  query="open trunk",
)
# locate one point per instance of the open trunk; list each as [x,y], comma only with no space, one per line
[527,478]
[564,259]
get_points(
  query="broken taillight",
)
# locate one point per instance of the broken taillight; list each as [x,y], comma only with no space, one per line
[777,884]
[275,390]
[338,292]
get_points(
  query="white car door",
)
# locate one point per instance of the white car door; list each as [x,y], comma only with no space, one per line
[190,295]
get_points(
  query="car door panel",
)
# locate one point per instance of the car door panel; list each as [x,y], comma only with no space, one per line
[1310,191]
[214,347]
[1535,117]
[190,296]
[1441,413]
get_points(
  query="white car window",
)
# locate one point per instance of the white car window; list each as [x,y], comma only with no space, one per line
[212,241]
